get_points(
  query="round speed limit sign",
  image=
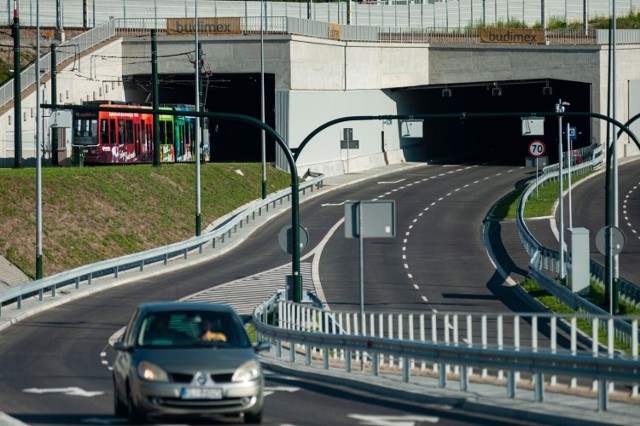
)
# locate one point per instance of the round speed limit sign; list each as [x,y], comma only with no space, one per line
[537,148]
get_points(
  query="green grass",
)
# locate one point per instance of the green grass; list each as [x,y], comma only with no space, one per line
[630,21]
[95,213]
[542,201]
[595,296]
[540,205]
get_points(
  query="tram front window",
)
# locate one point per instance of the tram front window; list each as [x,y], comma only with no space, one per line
[85,132]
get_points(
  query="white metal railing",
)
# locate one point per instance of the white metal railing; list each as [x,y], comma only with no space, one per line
[64,51]
[84,275]
[545,259]
[135,27]
[458,14]
[453,346]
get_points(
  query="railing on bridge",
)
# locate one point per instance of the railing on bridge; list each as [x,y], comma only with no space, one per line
[65,51]
[381,34]
[465,347]
[136,27]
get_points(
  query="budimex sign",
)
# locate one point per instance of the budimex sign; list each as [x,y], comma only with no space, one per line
[180,26]
[334,31]
[518,36]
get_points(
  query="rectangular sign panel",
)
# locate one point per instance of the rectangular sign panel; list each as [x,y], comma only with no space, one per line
[411,128]
[532,126]
[218,26]
[378,219]
[512,35]
[334,31]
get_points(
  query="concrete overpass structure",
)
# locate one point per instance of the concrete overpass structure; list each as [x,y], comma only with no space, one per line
[311,80]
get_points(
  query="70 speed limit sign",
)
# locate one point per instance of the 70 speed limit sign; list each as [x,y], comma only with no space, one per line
[537,148]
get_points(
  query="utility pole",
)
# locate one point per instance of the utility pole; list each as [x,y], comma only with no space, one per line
[156,101]
[54,103]
[59,30]
[17,92]
[560,108]
[198,68]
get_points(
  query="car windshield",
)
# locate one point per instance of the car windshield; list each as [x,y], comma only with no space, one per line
[180,329]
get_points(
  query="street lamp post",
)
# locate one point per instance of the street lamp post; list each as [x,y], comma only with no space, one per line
[263,144]
[198,135]
[613,259]
[39,273]
[560,108]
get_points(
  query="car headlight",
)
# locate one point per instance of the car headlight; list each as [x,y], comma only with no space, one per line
[151,372]
[248,371]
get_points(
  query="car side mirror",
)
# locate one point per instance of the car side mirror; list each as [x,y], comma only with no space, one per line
[121,346]
[262,346]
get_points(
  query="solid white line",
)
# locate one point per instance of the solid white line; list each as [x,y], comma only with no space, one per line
[390,182]
[315,265]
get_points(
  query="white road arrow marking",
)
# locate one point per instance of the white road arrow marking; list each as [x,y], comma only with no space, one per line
[73,391]
[269,390]
[386,182]
[332,204]
[407,420]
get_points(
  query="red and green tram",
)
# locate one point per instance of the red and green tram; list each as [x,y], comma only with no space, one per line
[112,137]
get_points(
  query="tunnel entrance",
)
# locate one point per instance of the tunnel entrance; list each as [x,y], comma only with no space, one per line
[496,139]
[475,140]
[230,141]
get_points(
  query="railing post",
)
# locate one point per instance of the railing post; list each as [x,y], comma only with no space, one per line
[634,350]
[484,338]
[511,384]
[464,379]
[442,375]
[405,369]
[602,395]
[538,387]
[553,379]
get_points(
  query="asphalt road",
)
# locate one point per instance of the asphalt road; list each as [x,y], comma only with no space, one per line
[438,248]
[588,207]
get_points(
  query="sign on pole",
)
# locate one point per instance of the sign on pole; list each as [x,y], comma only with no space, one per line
[378,219]
[532,126]
[537,148]
[368,219]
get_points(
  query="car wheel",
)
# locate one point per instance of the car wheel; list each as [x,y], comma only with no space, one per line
[253,418]
[119,407]
[135,416]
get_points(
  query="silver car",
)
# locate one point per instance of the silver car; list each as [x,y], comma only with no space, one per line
[182,358]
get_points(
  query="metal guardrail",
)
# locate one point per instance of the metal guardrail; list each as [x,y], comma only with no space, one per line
[317,336]
[545,259]
[85,274]
[64,51]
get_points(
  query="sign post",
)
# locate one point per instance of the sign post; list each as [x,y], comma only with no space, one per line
[537,149]
[368,219]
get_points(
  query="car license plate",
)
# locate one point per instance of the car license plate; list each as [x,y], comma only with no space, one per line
[201,393]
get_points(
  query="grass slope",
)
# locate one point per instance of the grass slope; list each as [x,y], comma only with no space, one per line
[96,213]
